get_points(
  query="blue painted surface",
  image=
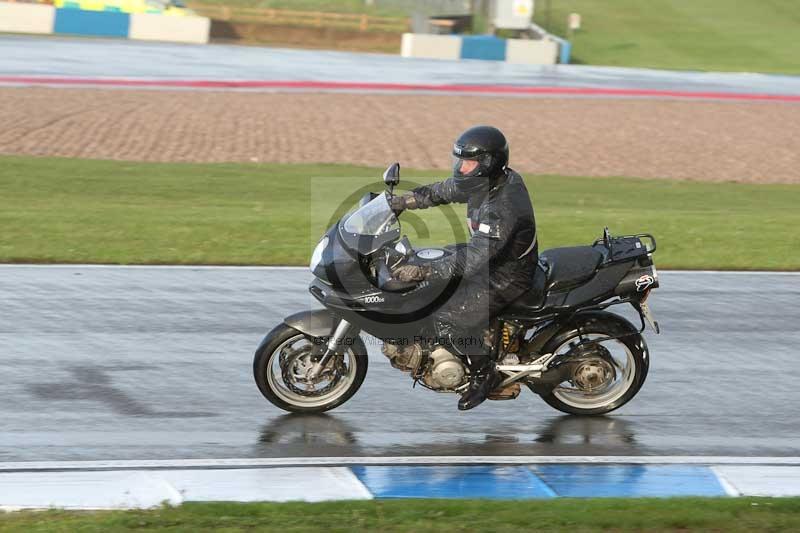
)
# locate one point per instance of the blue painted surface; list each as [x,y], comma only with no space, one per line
[564,51]
[503,482]
[583,481]
[483,47]
[97,23]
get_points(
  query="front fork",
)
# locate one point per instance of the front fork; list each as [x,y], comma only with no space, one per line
[336,340]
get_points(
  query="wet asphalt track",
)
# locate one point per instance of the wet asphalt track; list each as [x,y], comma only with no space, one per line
[76,57]
[155,363]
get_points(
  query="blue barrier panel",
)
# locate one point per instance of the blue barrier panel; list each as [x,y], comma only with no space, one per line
[98,23]
[629,481]
[506,482]
[565,50]
[483,47]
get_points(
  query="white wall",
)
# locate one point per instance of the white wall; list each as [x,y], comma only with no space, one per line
[430,46]
[520,51]
[153,27]
[26,18]
[532,52]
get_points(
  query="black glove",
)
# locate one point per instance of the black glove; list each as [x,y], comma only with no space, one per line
[408,273]
[403,202]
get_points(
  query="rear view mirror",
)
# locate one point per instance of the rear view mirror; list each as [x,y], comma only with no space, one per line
[392,175]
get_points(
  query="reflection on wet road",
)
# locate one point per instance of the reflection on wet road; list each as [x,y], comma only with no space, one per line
[155,363]
[329,435]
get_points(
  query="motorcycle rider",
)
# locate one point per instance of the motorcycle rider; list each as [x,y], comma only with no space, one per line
[497,264]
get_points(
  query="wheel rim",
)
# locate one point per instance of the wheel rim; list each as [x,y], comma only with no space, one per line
[286,367]
[624,366]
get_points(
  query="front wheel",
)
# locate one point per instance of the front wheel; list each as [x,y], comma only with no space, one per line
[283,360]
[607,373]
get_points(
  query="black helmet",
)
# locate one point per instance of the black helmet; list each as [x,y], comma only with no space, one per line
[485,145]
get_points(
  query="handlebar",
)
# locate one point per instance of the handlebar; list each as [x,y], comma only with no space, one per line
[389,284]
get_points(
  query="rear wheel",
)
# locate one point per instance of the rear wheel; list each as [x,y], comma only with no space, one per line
[605,374]
[285,357]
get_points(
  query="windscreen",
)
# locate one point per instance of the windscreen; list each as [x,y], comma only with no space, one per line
[373,218]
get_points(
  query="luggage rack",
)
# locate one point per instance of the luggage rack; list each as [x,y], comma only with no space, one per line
[634,243]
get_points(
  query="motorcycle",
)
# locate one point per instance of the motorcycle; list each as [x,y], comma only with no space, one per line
[558,339]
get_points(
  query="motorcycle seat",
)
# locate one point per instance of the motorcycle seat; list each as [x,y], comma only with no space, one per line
[533,300]
[570,266]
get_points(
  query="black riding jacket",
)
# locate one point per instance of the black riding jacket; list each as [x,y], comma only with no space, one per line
[503,246]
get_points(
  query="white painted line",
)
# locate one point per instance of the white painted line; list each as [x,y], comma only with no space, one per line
[142,489]
[267,484]
[86,490]
[128,489]
[357,486]
[762,480]
[730,490]
[34,466]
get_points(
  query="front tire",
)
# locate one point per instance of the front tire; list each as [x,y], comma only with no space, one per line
[283,357]
[630,364]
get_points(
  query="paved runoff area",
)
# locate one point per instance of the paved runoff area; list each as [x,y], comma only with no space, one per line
[143,376]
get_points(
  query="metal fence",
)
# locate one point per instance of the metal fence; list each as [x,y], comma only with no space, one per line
[416,15]
[302,18]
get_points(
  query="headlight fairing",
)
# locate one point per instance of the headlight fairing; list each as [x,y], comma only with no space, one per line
[316,257]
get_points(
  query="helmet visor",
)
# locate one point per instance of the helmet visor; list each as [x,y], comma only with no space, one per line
[465,167]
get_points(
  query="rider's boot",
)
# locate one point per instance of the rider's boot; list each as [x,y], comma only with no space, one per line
[485,378]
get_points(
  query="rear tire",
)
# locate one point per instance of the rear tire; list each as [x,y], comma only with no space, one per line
[284,394]
[633,346]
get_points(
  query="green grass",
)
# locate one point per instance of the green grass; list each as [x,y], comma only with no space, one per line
[746,35]
[89,211]
[731,514]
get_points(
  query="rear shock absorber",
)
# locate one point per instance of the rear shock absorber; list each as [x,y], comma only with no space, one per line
[509,338]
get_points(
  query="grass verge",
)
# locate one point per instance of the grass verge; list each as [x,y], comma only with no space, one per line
[755,35]
[87,211]
[734,514]
[750,35]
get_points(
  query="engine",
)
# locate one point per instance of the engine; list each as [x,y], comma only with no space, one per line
[442,370]
[405,358]
[445,371]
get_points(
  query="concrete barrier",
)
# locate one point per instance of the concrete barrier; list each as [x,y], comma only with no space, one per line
[485,47]
[564,46]
[540,52]
[95,23]
[430,46]
[46,19]
[153,27]
[26,18]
